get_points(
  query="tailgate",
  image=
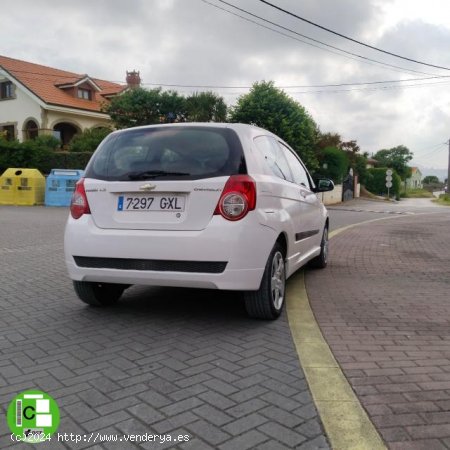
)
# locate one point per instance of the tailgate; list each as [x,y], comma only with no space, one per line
[155,204]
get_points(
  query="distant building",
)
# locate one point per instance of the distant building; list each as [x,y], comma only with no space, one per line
[371,163]
[415,181]
[37,100]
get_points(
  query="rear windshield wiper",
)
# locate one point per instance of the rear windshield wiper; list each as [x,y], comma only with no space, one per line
[148,174]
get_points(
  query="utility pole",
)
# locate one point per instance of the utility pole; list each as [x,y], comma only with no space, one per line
[448,169]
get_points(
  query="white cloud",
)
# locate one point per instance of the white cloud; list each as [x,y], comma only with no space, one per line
[190,42]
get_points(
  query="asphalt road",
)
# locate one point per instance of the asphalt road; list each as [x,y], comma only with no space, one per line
[361,210]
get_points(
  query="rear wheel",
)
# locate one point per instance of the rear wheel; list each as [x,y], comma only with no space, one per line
[321,260]
[268,301]
[98,294]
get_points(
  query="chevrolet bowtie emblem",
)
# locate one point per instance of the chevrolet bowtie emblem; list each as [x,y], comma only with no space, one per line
[147,187]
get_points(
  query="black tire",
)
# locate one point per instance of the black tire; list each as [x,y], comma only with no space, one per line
[321,260]
[98,294]
[268,301]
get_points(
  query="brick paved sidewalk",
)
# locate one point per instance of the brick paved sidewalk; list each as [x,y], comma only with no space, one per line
[384,308]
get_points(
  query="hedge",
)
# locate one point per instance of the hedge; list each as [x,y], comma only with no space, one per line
[376,182]
[42,159]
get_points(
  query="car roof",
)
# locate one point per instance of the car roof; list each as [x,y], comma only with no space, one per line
[238,127]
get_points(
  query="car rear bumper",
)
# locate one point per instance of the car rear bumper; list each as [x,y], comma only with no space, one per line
[225,255]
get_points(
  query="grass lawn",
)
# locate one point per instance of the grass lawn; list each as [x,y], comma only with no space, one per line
[444,199]
[416,193]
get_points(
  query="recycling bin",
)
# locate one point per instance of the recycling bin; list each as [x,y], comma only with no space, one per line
[60,186]
[22,187]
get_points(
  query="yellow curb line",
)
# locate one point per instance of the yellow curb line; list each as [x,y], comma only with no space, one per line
[345,421]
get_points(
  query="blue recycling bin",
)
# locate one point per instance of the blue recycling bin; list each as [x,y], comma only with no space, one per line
[60,186]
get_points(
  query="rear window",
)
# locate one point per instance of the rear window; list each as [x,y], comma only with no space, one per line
[168,153]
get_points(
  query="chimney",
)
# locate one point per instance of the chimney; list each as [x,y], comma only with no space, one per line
[133,79]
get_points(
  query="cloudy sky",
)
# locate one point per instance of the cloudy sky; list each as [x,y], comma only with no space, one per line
[205,43]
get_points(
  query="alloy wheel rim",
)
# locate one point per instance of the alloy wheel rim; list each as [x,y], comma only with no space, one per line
[277,281]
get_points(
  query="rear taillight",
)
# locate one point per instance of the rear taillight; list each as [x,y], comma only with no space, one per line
[79,204]
[238,197]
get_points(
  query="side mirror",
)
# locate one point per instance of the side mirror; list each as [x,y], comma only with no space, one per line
[323,185]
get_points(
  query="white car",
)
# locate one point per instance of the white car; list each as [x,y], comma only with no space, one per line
[217,206]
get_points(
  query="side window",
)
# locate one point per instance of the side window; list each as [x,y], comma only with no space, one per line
[273,157]
[297,169]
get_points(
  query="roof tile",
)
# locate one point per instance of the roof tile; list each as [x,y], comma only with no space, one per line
[43,81]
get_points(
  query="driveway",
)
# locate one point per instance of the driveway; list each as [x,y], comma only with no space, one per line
[189,362]
[163,361]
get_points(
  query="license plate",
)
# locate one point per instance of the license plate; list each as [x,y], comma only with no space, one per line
[151,203]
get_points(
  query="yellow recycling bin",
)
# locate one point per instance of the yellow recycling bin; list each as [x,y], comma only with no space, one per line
[22,187]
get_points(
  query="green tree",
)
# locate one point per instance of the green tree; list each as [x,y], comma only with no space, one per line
[430,179]
[88,140]
[350,147]
[269,107]
[396,158]
[325,140]
[360,167]
[145,107]
[356,161]
[334,163]
[172,107]
[205,107]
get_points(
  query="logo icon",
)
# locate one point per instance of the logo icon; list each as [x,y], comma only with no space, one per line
[33,416]
[147,187]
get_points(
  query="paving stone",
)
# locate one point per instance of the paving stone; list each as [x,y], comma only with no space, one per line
[248,407]
[220,386]
[167,425]
[104,421]
[248,393]
[181,406]
[209,432]
[273,445]
[154,398]
[319,443]
[160,361]
[213,415]
[279,400]
[244,424]
[145,413]
[283,434]
[81,412]
[282,416]
[196,444]
[217,399]
[245,441]
[375,286]
[423,444]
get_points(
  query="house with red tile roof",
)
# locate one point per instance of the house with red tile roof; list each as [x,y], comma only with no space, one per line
[36,99]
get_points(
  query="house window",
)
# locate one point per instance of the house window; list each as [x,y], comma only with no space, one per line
[31,130]
[85,94]
[8,131]
[6,90]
